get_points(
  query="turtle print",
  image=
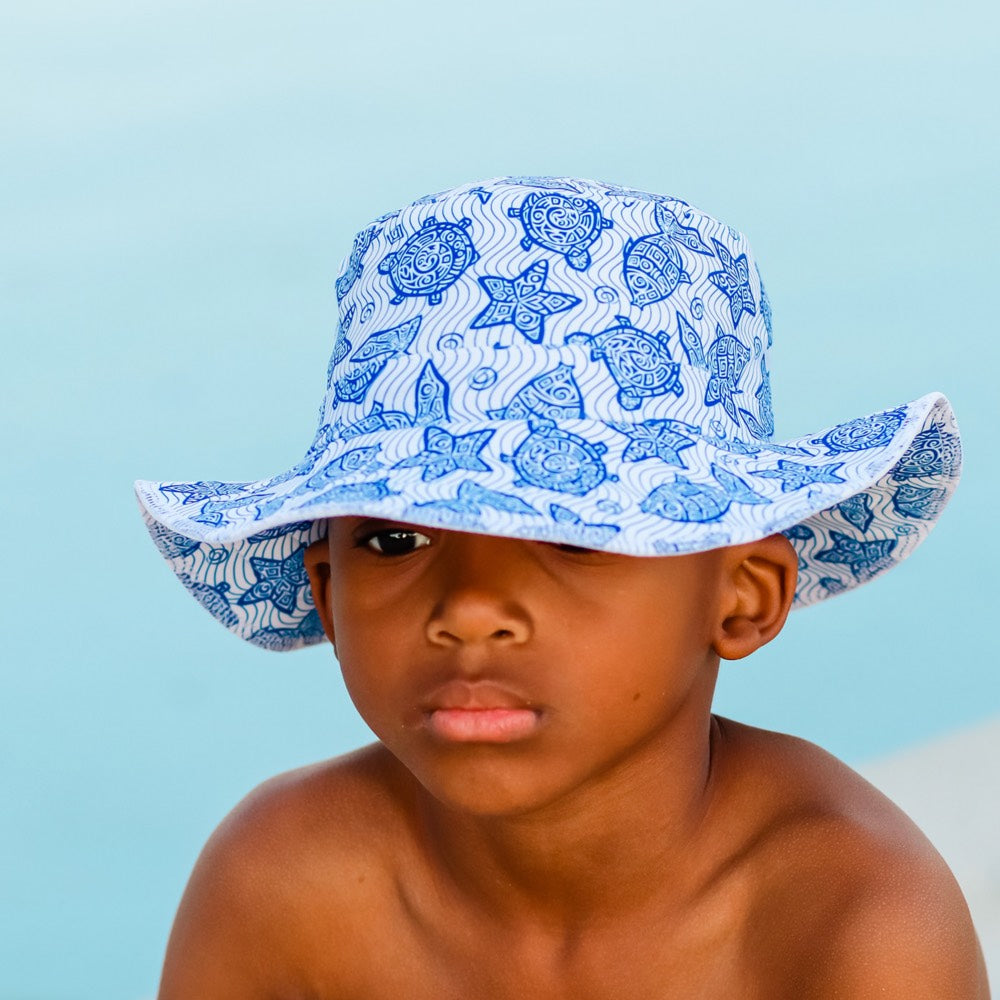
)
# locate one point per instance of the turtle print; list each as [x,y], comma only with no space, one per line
[639,362]
[652,265]
[567,226]
[430,261]
[863,432]
[727,358]
[933,452]
[555,459]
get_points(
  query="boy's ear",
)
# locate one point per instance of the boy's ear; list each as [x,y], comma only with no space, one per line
[759,584]
[317,561]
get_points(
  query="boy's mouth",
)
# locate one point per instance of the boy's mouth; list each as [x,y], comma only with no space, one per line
[482,711]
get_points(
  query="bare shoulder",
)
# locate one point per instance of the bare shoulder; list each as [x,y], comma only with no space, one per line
[851,897]
[297,862]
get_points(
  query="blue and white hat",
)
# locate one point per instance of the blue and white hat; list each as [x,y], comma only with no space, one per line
[568,361]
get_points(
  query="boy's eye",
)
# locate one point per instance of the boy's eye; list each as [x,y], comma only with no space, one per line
[394,541]
[572,549]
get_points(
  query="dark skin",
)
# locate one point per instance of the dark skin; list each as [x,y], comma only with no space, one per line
[553,811]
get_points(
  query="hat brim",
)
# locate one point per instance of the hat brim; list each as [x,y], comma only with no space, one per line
[854,499]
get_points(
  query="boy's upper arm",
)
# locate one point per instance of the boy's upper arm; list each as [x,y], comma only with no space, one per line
[915,941]
[270,883]
[220,945]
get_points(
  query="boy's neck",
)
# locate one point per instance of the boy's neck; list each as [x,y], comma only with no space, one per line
[600,850]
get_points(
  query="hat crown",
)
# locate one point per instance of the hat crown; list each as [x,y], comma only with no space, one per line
[535,297]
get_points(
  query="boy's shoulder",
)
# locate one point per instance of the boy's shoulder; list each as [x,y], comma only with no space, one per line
[825,886]
[840,879]
[308,857]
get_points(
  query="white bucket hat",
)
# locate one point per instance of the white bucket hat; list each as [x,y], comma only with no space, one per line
[568,361]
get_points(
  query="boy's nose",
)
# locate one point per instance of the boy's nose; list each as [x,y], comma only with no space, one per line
[478,596]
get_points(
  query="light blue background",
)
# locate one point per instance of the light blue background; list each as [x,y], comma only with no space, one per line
[179,182]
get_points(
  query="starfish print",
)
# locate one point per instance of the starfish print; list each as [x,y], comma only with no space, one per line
[523,301]
[444,453]
[795,475]
[865,559]
[734,282]
[278,581]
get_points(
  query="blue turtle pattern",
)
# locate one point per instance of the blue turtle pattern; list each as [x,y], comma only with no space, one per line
[430,261]
[555,459]
[933,452]
[863,432]
[639,362]
[566,226]
[653,268]
[727,359]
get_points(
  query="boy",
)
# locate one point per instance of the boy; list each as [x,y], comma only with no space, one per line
[543,502]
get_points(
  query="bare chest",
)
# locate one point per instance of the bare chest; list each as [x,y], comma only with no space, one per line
[703,957]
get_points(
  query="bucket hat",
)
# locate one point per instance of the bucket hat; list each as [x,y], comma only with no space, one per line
[568,361]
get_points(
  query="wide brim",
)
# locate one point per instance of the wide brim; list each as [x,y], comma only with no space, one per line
[852,508]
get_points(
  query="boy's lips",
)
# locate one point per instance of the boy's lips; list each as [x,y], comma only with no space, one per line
[482,711]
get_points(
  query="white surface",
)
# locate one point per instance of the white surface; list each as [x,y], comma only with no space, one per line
[950,789]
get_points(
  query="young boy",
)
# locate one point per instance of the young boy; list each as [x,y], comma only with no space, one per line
[543,502]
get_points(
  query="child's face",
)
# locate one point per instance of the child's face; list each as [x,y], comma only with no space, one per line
[505,673]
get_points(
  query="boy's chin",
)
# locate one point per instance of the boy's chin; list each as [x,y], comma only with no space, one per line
[488,784]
